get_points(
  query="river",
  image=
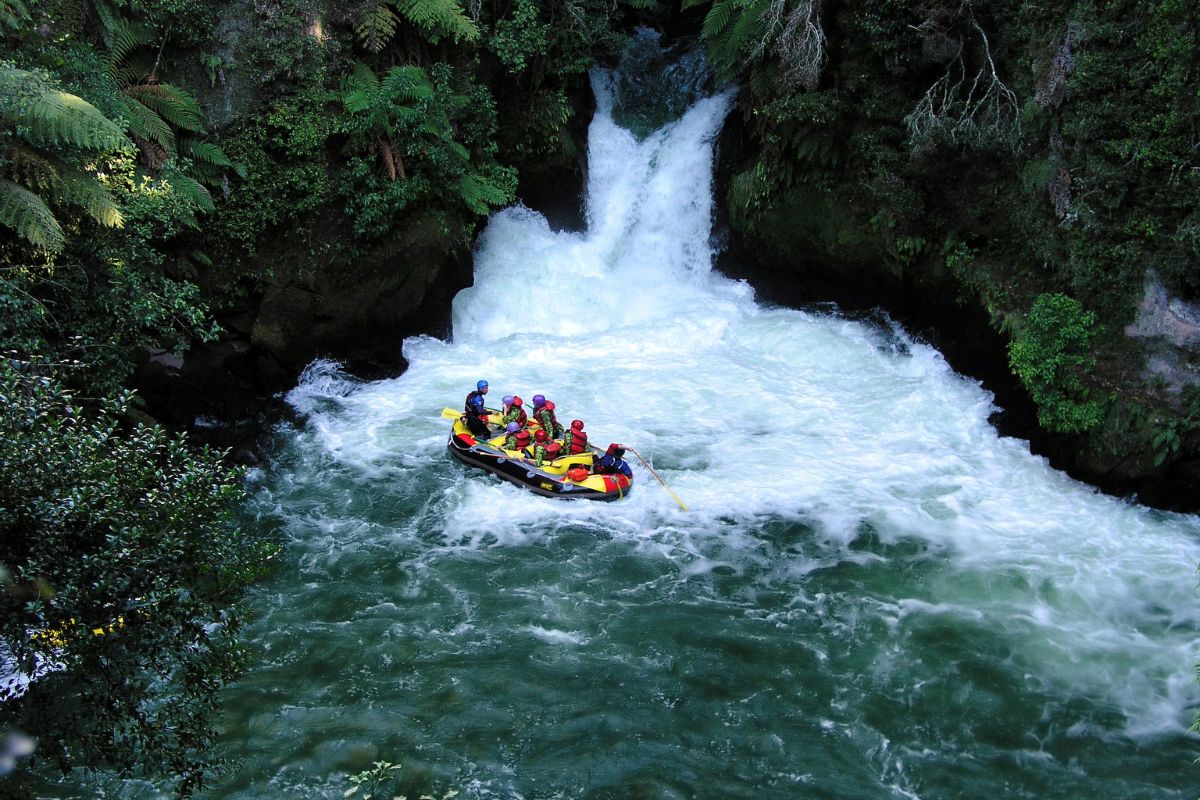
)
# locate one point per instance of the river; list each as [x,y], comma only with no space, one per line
[871,594]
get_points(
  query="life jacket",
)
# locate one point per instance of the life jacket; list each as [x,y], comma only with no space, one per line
[475,403]
[522,438]
[516,414]
[576,441]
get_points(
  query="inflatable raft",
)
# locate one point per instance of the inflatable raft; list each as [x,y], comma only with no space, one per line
[563,477]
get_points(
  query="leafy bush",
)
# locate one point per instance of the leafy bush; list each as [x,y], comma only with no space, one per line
[1050,355]
[416,137]
[129,532]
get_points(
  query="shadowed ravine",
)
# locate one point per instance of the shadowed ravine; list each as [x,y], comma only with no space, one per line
[872,595]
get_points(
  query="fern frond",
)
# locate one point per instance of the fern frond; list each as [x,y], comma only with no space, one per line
[28,215]
[718,18]
[13,13]
[480,193]
[190,189]
[83,190]
[377,27]
[109,19]
[437,18]
[122,38]
[458,150]
[29,166]
[640,5]
[763,80]
[359,89]
[146,124]
[407,84]
[203,151]
[687,4]
[207,174]
[54,117]
[749,29]
[170,102]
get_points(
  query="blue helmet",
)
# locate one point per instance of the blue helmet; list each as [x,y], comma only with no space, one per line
[513,427]
[481,386]
[539,400]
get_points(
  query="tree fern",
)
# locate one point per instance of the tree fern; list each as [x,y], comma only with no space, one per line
[208,162]
[718,18]
[27,165]
[190,189]
[173,104]
[13,13]
[123,38]
[481,193]
[144,123]
[30,217]
[83,190]
[438,18]
[53,117]
[377,26]
[406,84]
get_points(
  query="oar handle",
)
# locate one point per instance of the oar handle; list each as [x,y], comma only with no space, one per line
[674,496]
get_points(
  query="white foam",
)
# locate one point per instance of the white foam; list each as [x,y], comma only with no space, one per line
[753,413]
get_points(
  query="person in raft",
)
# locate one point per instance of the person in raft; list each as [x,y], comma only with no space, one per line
[475,412]
[517,438]
[543,413]
[505,405]
[544,448]
[516,413]
[575,440]
[612,462]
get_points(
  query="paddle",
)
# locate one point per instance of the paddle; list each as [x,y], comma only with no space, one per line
[450,413]
[656,475]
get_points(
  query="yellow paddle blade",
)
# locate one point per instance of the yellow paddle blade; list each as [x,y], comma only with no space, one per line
[450,413]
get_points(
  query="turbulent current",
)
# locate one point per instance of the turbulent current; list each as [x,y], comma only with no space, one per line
[872,594]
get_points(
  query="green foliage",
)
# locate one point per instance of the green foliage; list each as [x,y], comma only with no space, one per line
[45,134]
[1051,354]
[520,37]
[435,20]
[165,120]
[382,780]
[416,139]
[13,13]
[128,531]
[287,175]
[103,301]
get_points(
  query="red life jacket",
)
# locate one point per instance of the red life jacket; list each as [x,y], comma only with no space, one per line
[576,441]
[523,438]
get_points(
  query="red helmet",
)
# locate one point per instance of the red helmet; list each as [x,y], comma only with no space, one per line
[576,424]
[550,405]
[516,400]
[541,436]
